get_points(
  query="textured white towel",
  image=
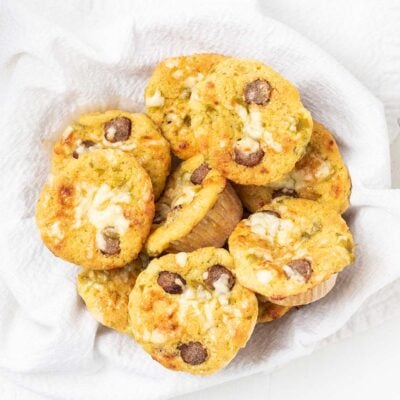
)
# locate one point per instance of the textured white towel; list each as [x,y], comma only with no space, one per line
[59,61]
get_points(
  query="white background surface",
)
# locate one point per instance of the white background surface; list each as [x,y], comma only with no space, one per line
[367,365]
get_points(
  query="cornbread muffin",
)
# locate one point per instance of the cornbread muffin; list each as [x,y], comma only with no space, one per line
[290,246]
[319,175]
[131,132]
[167,98]
[97,211]
[249,122]
[309,296]
[188,311]
[268,312]
[198,208]
[106,294]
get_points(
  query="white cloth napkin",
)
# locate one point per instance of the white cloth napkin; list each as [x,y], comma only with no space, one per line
[58,61]
[362,35]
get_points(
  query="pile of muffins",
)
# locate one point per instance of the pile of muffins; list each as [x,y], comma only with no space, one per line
[246,227]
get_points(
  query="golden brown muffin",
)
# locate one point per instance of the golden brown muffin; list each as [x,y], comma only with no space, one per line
[290,246]
[97,211]
[189,312]
[309,296]
[249,122]
[319,175]
[130,132]
[167,98]
[198,208]
[268,312]
[106,294]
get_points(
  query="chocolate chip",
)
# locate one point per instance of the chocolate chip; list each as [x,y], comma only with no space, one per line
[187,120]
[248,159]
[111,241]
[257,92]
[199,174]
[82,148]
[284,192]
[274,213]
[171,282]
[215,272]
[88,143]
[193,353]
[118,129]
[301,267]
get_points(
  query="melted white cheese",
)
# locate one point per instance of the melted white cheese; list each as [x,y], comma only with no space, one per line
[192,80]
[187,196]
[177,74]
[117,145]
[299,178]
[202,294]
[100,241]
[285,232]
[194,96]
[154,336]
[300,252]
[252,127]
[172,63]
[157,100]
[223,300]
[80,148]
[181,259]
[264,276]
[221,285]
[269,140]
[208,312]
[186,301]
[247,145]
[324,170]
[101,206]
[271,228]
[67,132]
[55,231]
[264,224]
[292,124]
[111,131]
[204,304]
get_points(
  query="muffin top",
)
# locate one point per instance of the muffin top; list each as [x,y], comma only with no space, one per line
[290,246]
[134,133]
[106,294]
[249,122]
[167,98]
[97,211]
[191,192]
[189,312]
[319,175]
